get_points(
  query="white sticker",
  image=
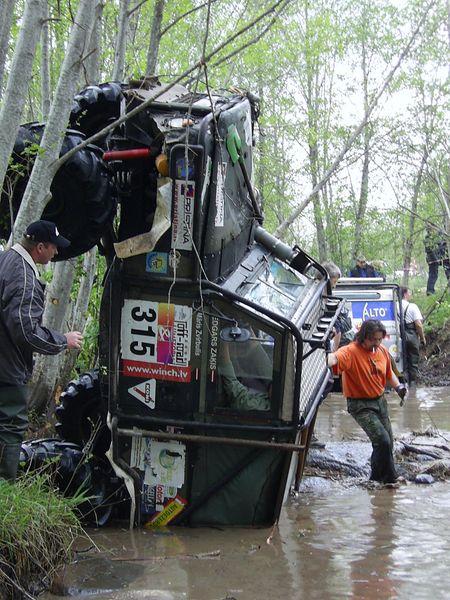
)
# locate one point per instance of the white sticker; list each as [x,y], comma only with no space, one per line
[165,465]
[183,214]
[208,170]
[248,128]
[156,342]
[138,447]
[145,392]
[220,194]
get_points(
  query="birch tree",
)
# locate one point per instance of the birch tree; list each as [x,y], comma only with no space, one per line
[121,41]
[46,369]
[155,38]
[92,66]
[45,66]
[360,127]
[18,80]
[6,15]
[36,193]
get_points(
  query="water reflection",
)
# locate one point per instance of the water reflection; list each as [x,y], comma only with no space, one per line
[334,541]
[371,574]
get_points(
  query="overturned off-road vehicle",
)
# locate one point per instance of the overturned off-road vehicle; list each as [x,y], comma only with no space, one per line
[213,333]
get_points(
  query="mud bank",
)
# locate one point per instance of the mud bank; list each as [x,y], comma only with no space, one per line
[434,367]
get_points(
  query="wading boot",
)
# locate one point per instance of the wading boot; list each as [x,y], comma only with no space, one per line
[9,460]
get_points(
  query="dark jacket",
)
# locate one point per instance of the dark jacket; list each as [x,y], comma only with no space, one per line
[368,271]
[22,306]
[435,247]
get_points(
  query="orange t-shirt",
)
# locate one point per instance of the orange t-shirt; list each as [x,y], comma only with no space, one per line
[364,373]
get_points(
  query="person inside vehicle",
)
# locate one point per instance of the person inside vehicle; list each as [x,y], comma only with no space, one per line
[365,366]
[22,333]
[239,396]
[414,332]
[362,268]
[436,252]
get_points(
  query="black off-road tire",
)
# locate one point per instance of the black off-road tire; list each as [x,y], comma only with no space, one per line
[95,107]
[81,414]
[71,471]
[84,197]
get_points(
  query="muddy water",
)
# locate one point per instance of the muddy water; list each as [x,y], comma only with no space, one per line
[336,539]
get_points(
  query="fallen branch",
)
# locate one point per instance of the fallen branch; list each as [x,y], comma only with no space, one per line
[415,450]
[198,555]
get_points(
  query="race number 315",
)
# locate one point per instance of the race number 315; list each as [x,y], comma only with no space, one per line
[139,330]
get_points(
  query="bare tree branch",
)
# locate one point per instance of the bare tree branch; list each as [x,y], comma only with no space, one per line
[58,163]
[178,19]
[282,228]
[137,7]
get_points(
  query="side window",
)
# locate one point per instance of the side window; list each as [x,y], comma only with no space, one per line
[245,370]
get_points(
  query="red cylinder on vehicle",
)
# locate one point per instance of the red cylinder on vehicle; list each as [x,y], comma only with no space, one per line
[126,154]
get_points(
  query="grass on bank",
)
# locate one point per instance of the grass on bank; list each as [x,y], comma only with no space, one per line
[37,530]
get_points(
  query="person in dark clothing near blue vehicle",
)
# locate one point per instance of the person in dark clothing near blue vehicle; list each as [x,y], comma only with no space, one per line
[362,268]
[436,251]
[22,333]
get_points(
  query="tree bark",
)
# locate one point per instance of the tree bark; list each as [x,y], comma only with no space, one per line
[6,15]
[18,80]
[45,67]
[47,367]
[36,193]
[364,191]
[155,38]
[121,41]
[409,242]
[92,66]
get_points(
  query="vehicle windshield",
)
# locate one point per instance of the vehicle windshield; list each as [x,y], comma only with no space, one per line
[277,288]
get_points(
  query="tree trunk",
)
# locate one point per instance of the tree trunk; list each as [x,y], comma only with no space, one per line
[155,38]
[320,230]
[78,321]
[364,191]
[363,196]
[37,190]
[121,40]
[6,15]
[91,71]
[18,80]
[409,242]
[45,67]
[47,367]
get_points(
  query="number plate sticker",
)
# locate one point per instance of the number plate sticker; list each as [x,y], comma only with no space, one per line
[156,340]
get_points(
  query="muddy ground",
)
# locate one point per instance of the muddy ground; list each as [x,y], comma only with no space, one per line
[338,537]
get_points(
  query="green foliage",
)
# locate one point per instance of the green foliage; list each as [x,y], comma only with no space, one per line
[37,530]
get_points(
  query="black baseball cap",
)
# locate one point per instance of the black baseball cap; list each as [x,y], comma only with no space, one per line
[46,231]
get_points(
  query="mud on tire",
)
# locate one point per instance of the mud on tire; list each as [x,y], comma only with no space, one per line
[81,415]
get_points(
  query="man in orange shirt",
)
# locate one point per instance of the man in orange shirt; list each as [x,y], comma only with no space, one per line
[366,368]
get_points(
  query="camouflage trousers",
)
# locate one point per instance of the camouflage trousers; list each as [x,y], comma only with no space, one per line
[373,417]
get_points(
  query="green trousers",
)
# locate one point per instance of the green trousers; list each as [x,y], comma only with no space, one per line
[373,417]
[13,424]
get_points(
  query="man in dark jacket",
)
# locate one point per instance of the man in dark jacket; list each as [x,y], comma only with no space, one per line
[436,252]
[22,332]
[362,268]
